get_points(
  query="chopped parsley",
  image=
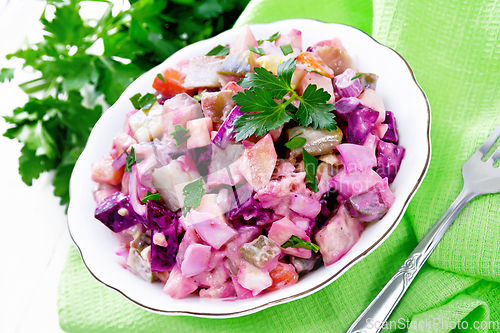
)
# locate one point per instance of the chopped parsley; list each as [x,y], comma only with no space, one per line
[193,193]
[130,161]
[274,37]
[219,50]
[256,50]
[357,76]
[180,135]
[143,102]
[151,196]
[296,142]
[313,71]
[261,111]
[296,242]
[310,165]
[160,76]
[286,49]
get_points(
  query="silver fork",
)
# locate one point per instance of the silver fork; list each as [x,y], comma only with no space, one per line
[479,178]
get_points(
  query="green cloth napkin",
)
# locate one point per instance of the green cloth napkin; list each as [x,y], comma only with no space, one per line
[454,50]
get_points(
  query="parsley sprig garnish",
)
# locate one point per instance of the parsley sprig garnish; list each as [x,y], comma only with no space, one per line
[263,113]
[193,193]
[143,102]
[296,242]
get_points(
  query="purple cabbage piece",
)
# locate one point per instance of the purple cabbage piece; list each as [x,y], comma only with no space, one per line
[359,119]
[251,213]
[389,158]
[201,156]
[162,220]
[226,132]
[392,133]
[367,206]
[116,212]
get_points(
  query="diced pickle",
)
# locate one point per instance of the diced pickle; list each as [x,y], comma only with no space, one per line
[319,142]
[260,252]
[136,262]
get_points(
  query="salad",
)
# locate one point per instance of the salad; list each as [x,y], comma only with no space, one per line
[250,166]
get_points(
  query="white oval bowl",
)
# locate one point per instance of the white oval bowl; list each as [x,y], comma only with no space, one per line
[401,94]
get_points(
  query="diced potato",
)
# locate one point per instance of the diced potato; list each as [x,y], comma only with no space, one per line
[270,62]
[178,111]
[196,259]
[199,130]
[254,279]
[147,126]
[178,286]
[203,72]
[211,229]
[320,81]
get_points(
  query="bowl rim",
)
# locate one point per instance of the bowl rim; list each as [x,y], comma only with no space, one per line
[334,276]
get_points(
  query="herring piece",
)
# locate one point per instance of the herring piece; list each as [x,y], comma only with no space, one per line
[202,72]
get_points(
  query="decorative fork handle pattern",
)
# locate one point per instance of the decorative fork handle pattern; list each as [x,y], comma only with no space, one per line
[375,315]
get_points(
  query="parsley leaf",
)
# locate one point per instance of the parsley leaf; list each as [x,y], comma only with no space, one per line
[256,50]
[193,193]
[262,122]
[310,165]
[286,49]
[151,196]
[160,76]
[295,242]
[296,142]
[219,50]
[274,36]
[180,135]
[313,109]
[130,161]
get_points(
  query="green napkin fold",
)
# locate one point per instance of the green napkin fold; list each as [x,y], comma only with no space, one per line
[454,50]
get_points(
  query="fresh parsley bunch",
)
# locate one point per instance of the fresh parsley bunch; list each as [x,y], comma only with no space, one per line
[262,111]
[54,126]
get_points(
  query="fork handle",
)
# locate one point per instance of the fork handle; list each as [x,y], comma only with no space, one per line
[375,315]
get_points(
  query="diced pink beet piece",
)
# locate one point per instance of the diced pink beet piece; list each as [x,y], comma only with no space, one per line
[241,293]
[178,286]
[320,81]
[252,278]
[121,142]
[353,184]
[103,194]
[356,158]
[196,259]
[276,133]
[199,131]
[258,162]
[294,38]
[225,291]
[103,172]
[212,230]
[338,236]
[245,38]
[380,129]
[190,237]
[282,230]
[215,277]
[305,206]
[371,99]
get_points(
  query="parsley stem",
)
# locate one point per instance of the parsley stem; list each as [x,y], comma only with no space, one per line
[290,100]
